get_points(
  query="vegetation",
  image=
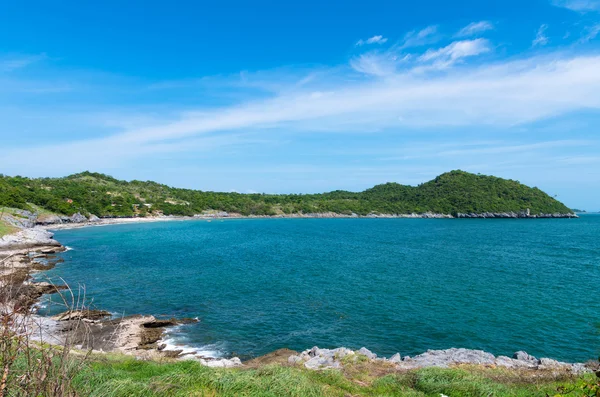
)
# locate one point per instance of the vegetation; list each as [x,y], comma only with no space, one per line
[6,228]
[104,196]
[118,376]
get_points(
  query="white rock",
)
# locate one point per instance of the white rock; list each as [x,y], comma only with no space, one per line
[396,358]
[366,352]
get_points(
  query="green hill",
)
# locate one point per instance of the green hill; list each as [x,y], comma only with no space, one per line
[450,193]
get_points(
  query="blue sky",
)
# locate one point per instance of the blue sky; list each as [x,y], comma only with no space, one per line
[308,96]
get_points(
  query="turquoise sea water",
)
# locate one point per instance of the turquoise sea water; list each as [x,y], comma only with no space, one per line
[392,285]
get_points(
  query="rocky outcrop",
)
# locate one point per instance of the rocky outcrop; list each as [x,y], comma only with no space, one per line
[514,215]
[87,314]
[316,358]
[53,219]
[28,238]
[19,218]
[77,218]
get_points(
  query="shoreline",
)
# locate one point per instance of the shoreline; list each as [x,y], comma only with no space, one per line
[327,215]
[143,336]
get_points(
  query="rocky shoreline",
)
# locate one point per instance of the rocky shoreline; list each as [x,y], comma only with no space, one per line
[33,249]
[26,219]
[318,359]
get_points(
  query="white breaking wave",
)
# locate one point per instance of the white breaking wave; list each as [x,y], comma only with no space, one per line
[67,248]
[173,341]
[207,351]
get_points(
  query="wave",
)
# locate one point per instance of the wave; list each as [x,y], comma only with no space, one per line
[67,248]
[174,341]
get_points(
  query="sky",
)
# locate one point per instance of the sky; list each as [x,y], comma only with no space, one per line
[303,97]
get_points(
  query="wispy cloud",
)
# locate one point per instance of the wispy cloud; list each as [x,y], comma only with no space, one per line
[540,38]
[420,38]
[475,28]
[500,94]
[373,40]
[590,33]
[578,5]
[454,52]
[385,92]
[378,64]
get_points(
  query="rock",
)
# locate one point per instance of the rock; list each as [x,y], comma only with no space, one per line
[548,362]
[316,359]
[524,356]
[77,218]
[295,360]
[321,362]
[82,315]
[43,288]
[28,238]
[93,218]
[48,219]
[161,323]
[396,358]
[366,352]
[172,353]
[314,351]
[580,369]
[444,358]
[342,352]
[222,363]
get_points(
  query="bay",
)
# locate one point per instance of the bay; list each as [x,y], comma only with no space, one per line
[392,285]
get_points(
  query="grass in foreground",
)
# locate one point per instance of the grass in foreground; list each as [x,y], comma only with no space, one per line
[118,376]
[6,228]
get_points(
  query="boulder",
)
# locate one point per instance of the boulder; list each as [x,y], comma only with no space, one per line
[548,362]
[322,362]
[295,360]
[48,219]
[222,363]
[93,218]
[445,358]
[366,352]
[396,358]
[524,356]
[77,218]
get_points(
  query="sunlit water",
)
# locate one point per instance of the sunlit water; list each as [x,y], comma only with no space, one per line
[392,285]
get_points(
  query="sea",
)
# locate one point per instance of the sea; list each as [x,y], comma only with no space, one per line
[391,285]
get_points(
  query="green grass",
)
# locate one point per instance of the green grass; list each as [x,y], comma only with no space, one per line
[110,376]
[6,228]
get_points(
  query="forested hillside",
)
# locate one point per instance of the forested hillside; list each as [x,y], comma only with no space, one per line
[104,196]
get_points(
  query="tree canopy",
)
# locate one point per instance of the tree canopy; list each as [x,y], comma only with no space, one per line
[450,193]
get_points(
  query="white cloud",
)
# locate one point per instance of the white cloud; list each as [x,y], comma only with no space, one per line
[452,53]
[475,28]
[591,32]
[377,64]
[501,94]
[434,89]
[373,40]
[421,37]
[578,5]
[540,38]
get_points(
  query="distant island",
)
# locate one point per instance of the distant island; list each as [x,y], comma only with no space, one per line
[455,194]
